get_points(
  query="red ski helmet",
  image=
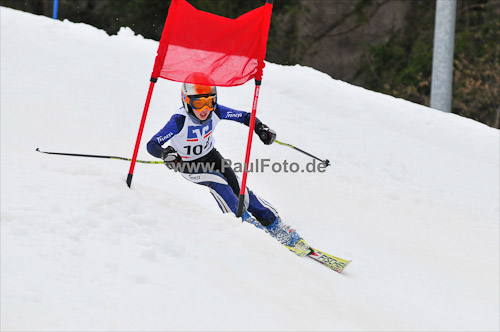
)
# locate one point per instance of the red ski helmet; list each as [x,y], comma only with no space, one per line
[198,93]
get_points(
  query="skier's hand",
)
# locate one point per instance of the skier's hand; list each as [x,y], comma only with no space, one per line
[170,157]
[266,134]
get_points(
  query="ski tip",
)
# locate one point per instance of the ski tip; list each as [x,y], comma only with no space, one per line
[345,265]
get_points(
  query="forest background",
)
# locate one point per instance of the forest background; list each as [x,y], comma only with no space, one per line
[382,45]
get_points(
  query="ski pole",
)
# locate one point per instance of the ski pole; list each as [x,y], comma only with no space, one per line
[326,161]
[99,156]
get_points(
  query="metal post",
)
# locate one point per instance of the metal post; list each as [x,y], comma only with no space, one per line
[54,9]
[442,58]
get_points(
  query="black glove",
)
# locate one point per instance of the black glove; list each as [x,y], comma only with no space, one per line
[170,157]
[266,134]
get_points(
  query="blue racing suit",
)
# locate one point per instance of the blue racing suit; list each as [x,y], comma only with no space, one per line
[194,142]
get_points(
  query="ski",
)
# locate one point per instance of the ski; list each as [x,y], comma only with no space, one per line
[332,262]
[303,249]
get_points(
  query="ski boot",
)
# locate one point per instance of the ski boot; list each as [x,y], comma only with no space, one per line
[288,237]
[247,217]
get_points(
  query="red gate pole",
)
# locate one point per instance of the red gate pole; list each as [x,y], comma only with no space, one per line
[141,128]
[241,199]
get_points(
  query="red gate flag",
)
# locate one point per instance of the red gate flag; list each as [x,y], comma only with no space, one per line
[229,51]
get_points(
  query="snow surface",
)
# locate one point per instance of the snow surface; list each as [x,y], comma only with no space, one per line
[412,198]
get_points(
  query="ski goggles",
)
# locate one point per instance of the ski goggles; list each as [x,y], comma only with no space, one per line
[201,102]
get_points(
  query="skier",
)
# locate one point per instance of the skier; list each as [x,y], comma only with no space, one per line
[192,153]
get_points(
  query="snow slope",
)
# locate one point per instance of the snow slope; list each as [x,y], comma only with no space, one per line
[412,198]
